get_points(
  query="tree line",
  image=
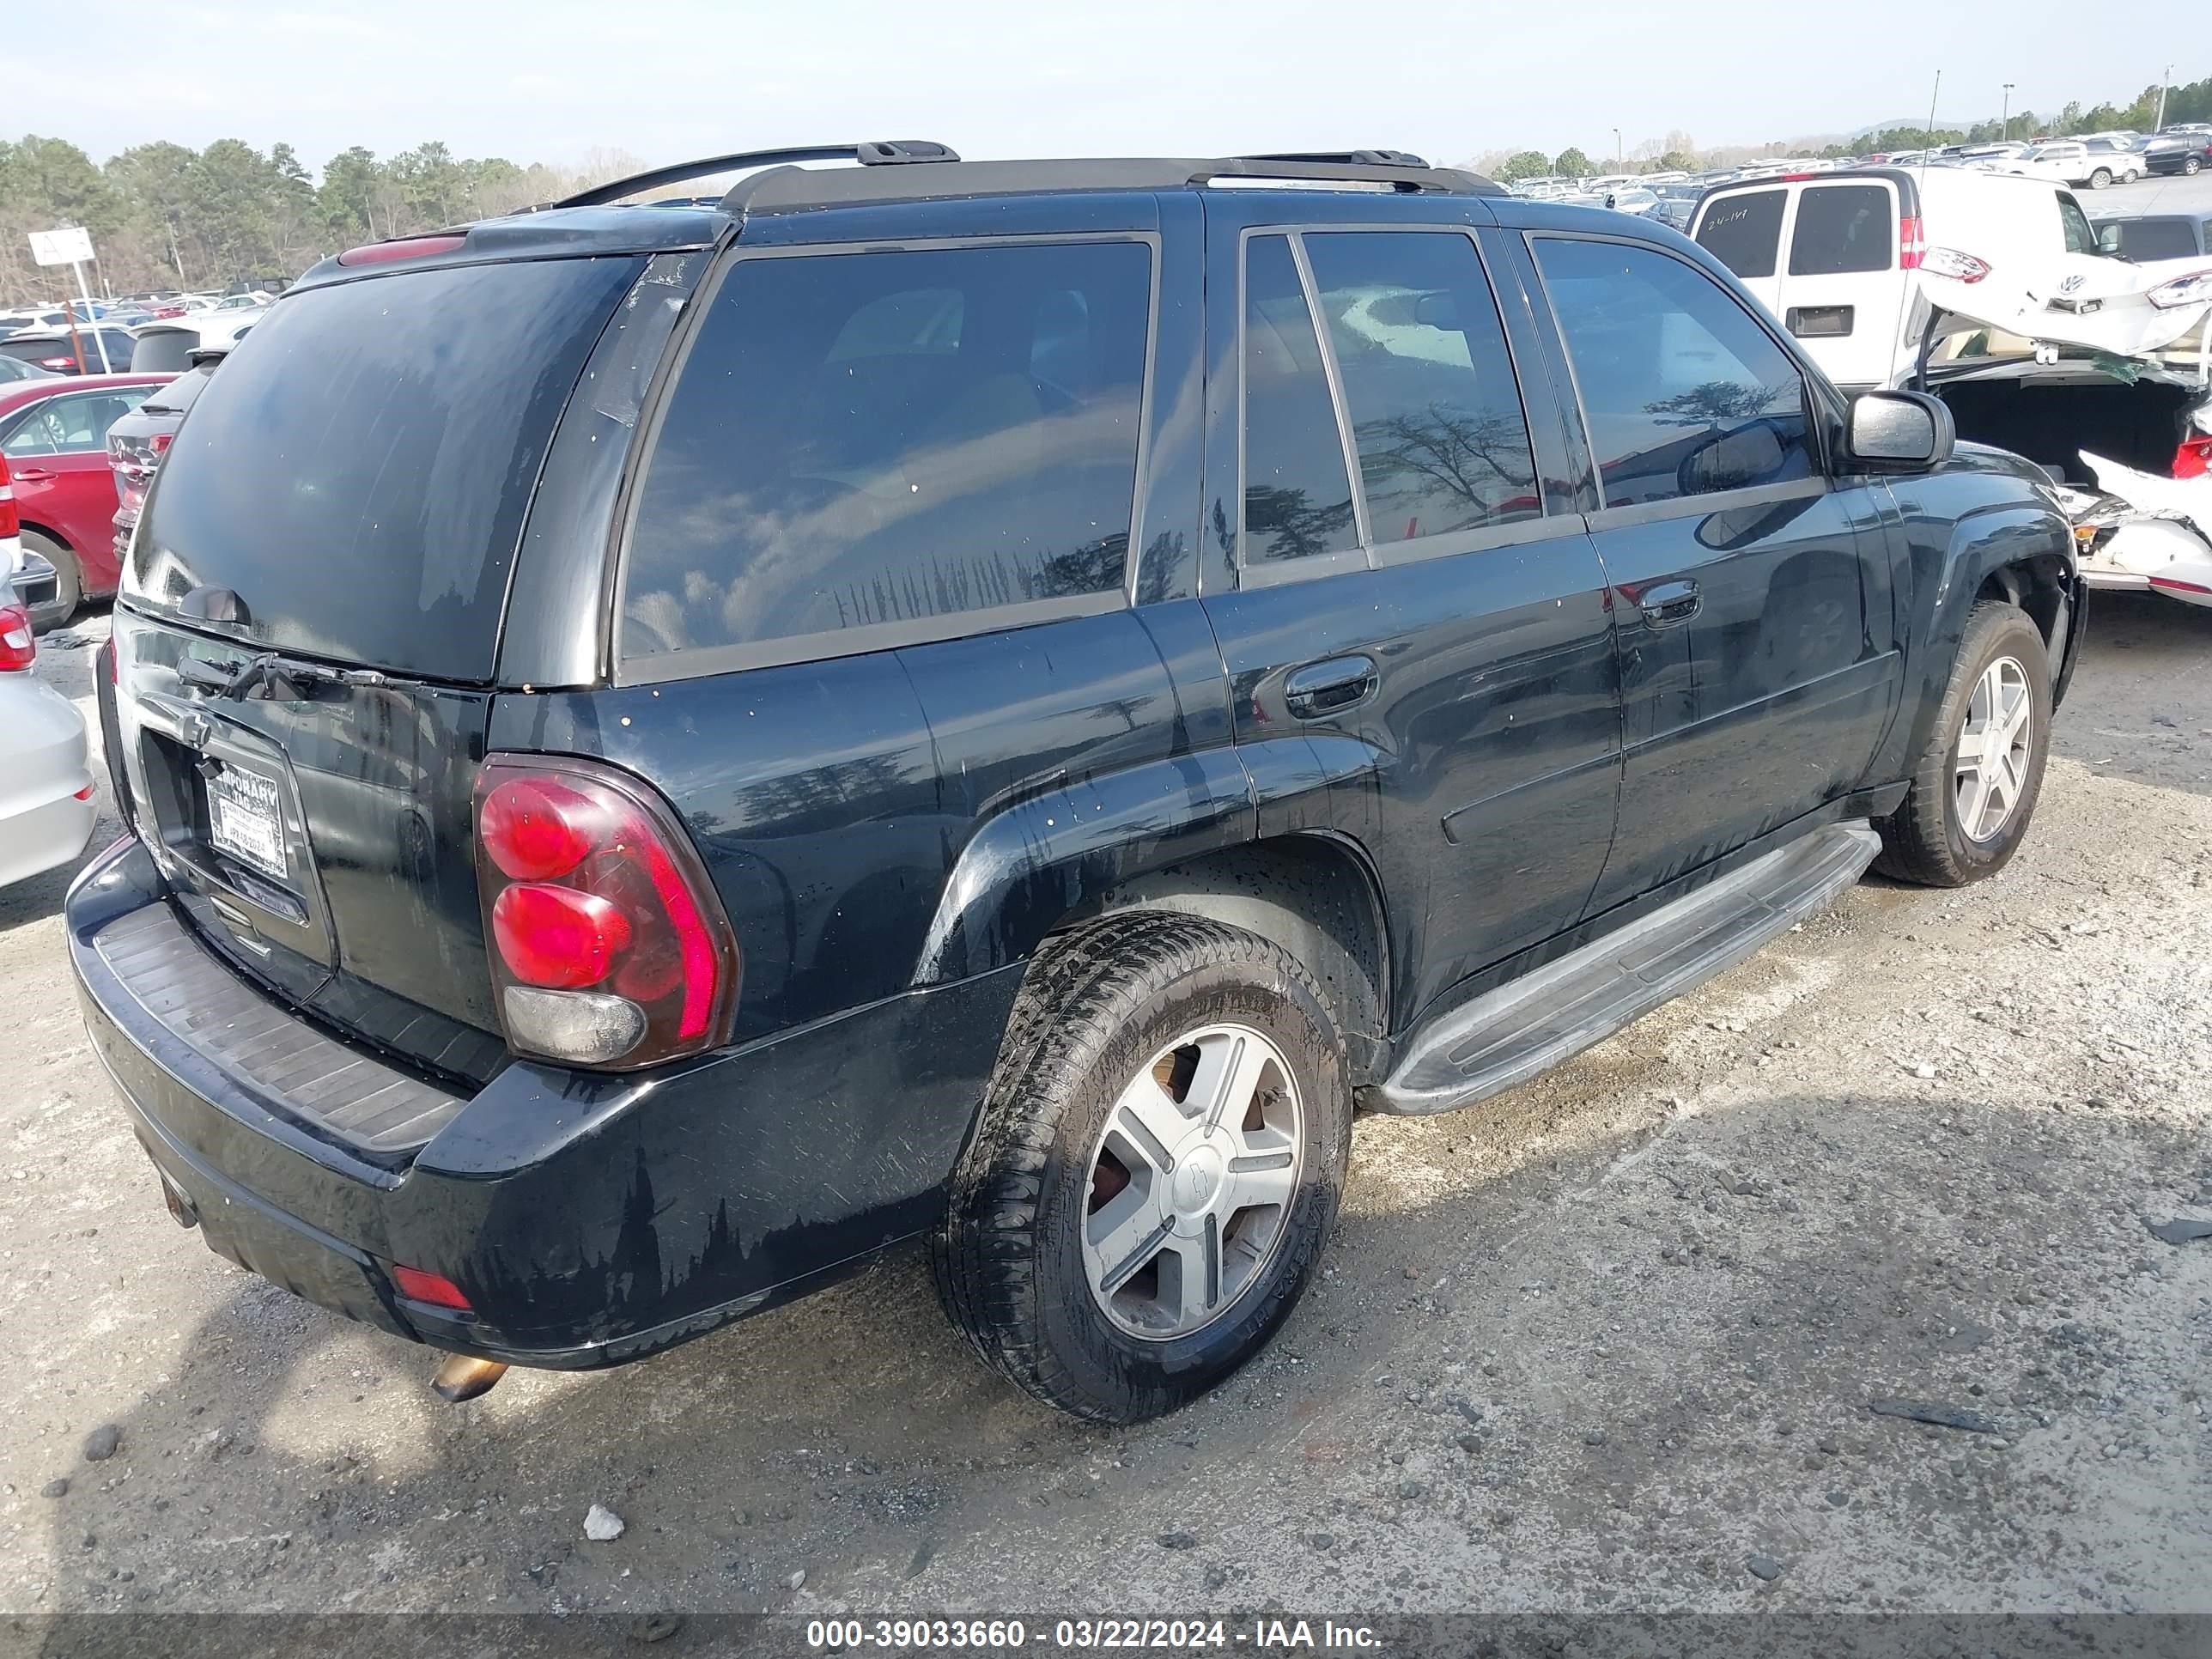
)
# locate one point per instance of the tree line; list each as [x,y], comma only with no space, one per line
[1676,153]
[163,215]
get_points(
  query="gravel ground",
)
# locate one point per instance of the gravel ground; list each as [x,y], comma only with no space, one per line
[1610,1342]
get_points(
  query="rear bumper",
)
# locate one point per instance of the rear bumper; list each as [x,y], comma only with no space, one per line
[590,1220]
[46,809]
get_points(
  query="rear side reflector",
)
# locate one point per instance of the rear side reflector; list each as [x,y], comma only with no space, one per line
[407,247]
[608,945]
[436,1288]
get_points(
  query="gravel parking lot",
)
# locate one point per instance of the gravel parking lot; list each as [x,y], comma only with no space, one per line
[1613,1340]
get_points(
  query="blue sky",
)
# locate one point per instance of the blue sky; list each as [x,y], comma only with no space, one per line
[666,79]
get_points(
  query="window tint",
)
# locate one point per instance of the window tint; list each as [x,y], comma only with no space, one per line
[1744,233]
[68,426]
[2145,239]
[1297,494]
[872,438]
[1435,414]
[1684,392]
[1842,228]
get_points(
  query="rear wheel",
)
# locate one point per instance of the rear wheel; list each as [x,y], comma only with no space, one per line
[2100,178]
[2192,165]
[1981,772]
[1157,1167]
[69,579]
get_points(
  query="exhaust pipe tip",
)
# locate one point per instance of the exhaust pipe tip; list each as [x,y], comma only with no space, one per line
[465,1376]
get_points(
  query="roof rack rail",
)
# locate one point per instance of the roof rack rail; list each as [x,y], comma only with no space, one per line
[1356,158]
[879,152]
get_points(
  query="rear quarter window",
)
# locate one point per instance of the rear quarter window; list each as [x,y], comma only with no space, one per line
[861,444]
[1744,231]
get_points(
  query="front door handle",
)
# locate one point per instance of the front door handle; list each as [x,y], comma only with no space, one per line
[1322,688]
[28,474]
[1668,605]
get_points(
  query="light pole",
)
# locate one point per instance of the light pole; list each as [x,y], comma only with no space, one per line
[1618,155]
[2008,112]
[2165,75]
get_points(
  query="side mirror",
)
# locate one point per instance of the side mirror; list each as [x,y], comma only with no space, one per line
[2108,239]
[1900,431]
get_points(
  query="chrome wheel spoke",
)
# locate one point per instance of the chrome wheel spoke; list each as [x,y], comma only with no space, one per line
[1228,1076]
[1263,1178]
[1190,1277]
[1148,1121]
[1122,1237]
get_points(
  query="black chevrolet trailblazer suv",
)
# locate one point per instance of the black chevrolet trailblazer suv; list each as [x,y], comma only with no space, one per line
[668,748]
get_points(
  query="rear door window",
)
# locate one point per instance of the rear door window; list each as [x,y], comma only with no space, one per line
[1297,490]
[73,425]
[2147,240]
[1436,412]
[1744,231]
[1684,393]
[1844,229]
[358,476]
[877,440]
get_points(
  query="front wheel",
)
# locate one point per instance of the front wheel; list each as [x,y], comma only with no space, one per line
[2192,165]
[2100,178]
[1156,1166]
[1981,770]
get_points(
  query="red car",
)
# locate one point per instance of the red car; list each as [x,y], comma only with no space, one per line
[53,448]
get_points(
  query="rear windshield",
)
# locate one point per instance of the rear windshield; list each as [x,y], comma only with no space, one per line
[2145,240]
[1744,231]
[1843,228]
[358,472]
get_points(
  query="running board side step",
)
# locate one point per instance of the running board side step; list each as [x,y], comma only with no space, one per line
[1530,1025]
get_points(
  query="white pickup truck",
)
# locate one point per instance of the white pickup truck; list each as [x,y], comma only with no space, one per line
[2092,162]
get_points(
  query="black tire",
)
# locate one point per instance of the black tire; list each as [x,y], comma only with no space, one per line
[2191,165]
[2100,178]
[1924,840]
[1095,1010]
[69,580]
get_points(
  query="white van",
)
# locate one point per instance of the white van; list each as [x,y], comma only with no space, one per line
[1864,247]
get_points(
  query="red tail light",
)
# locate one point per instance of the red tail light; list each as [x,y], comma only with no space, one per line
[609,945]
[1911,241]
[1950,262]
[2194,459]
[407,247]
[18,648]
[11,521]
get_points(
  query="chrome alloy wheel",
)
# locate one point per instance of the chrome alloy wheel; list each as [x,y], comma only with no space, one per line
[1992,758]
[1192,1181]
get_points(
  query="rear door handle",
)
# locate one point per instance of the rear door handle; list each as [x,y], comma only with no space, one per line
[1323,688]
[27,473]
[1668,605]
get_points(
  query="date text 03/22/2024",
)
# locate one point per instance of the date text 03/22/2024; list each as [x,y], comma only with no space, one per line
[846,1635]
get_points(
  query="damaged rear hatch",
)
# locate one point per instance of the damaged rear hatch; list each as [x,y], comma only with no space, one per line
[308,633]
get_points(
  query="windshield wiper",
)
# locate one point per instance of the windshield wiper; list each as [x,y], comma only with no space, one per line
[278,678]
